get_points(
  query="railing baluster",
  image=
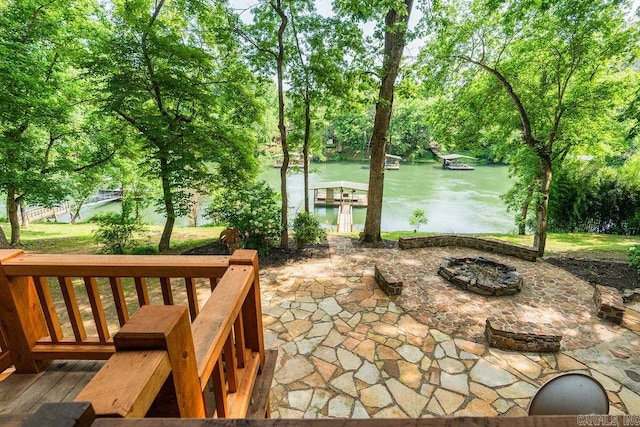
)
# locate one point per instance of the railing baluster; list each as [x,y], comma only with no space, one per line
[230,365]
[70,300]
[238,329]
[48,309]
[167,294]
[220,389]
[192,297]
[141,289]
[119,300]
[96,308]
[213,282]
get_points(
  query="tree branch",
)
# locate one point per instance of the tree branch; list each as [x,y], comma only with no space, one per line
[527,133]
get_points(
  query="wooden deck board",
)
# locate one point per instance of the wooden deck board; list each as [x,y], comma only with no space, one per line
[60,382]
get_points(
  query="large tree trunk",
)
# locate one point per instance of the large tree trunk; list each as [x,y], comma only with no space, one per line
[23,213]
[546,174]
[165,239]
[14,219]
[284,232]
[394,41]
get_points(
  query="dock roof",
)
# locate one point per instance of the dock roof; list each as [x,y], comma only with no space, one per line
[349,185]
[454,156]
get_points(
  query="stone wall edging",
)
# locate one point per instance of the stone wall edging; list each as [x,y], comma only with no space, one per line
[469,241]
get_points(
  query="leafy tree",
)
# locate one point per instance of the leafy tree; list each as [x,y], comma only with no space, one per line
[173,73]
[418,218]
[396,17]
[554,61]
[318,72]
[43,130]
[266,36]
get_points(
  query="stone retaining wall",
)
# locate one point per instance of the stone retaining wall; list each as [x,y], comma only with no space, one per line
[521,337]
[387,281]
[608,303]
[475,242]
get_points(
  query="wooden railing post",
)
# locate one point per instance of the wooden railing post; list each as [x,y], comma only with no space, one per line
[167,328]
[21,317]
[252,308]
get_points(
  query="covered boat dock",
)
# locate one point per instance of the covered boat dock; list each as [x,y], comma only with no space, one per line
[336,193]
[450,161]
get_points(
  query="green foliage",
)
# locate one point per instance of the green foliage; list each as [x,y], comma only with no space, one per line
[172,73]
[418,218]
[307,229]
[591,197]
[116,230]
[251,208]
[634,257]
[144,250]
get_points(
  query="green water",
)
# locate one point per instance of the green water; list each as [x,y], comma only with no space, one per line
[454,201]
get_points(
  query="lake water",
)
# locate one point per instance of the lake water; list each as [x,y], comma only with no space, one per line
[453,201]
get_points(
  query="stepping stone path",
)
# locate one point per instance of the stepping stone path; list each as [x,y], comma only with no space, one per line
[347,350]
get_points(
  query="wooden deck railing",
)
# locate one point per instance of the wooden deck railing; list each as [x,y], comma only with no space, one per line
[31,314]
[213,361]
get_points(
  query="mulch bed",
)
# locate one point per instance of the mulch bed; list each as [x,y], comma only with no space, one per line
[616,274]
[274,258]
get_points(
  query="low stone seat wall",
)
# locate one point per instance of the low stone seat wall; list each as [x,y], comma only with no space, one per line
[521,337]
[475,242]
[608,303]
[387,281]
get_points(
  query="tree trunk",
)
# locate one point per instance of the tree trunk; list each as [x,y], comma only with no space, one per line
[14,219]
[165,239]
[524,212]
[23,214]
[394,41]
[4,243]
[305,148]
[75,215]
[546,174]
[284,232]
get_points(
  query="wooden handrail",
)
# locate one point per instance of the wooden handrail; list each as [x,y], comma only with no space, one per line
[210,352]
[218,346]
[33,319]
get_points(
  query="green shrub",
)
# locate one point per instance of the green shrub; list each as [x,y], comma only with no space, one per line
[417,219]
[634,257]
[307,229]
[116,230]
[144,250]
[251,208]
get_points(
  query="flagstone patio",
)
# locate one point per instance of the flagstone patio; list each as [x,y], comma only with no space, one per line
[347,350]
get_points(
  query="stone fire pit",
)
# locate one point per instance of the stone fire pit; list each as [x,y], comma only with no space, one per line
[481,275]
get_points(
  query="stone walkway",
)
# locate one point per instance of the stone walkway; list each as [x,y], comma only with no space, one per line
[347,350]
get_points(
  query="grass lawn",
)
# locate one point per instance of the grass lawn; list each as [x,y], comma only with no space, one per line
[78,238]
[61,238]
[598,245]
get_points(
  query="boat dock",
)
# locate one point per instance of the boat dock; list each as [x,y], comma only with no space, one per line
[346,195]
[337,193]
